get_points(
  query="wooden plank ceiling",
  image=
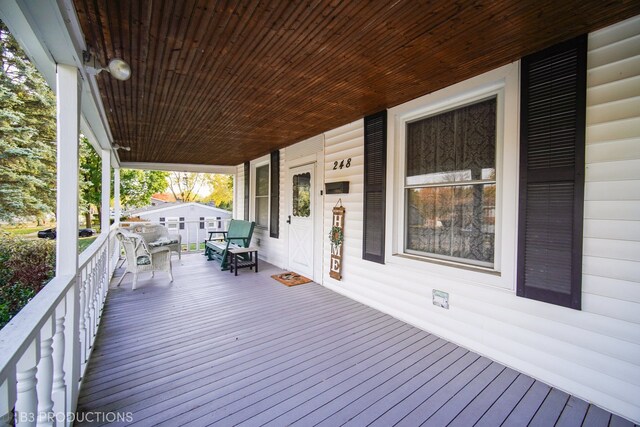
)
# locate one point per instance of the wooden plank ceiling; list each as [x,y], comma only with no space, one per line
[222,82]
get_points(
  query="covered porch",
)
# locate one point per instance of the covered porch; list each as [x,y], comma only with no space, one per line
[212,348]
[241,86]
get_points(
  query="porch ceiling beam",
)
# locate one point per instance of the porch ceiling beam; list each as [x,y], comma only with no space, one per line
[180,167]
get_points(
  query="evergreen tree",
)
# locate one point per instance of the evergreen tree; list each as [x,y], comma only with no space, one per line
[27,135]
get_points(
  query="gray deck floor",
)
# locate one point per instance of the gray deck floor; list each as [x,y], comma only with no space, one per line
[214,349]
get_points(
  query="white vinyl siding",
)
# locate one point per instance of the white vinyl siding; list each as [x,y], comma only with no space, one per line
[346,142]
[611,256]
[593,353]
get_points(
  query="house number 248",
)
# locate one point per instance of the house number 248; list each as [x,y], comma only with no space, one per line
[342,164]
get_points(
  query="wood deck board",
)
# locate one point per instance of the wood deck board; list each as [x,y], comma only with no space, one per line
[573,413]
[483,401]
[319,362]
[215,349]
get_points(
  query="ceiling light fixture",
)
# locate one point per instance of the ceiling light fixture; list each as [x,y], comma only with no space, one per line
[117,67]
[120,147]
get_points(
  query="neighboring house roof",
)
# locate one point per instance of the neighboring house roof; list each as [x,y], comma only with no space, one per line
[164,197]
[175,205]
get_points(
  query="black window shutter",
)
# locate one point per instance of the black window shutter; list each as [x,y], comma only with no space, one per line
[247,182]
[162,220]
[181,219]
[201,223]
[552,136]
[219,222]
[274,222]
[375,173]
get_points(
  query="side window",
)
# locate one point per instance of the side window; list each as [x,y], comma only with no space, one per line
[262,196]
[450,184]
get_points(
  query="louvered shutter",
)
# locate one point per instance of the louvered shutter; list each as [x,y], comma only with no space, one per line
[274,222]
[201,223]
[247,182]
[181,225]
[375,166]
[553,105]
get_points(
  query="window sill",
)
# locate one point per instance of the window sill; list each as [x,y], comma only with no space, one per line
[452,264]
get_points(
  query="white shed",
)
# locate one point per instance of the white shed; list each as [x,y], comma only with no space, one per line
[192,220]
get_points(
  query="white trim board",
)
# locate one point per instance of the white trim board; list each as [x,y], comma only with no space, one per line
[180,167]
[179,205]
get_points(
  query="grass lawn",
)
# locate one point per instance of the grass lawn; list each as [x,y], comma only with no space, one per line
[30,232]
[192,247]
[84,242]
[25,231]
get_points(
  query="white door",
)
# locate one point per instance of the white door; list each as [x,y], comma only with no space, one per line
[300,219]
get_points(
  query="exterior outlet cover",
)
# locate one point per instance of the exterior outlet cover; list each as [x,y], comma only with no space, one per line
[441,299]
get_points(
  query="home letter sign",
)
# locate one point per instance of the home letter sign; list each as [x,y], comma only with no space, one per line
[336,235]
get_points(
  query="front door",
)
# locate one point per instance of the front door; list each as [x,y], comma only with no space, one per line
[300,218]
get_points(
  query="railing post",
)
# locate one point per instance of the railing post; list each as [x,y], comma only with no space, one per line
[68,124]
[105,223]
[116,195]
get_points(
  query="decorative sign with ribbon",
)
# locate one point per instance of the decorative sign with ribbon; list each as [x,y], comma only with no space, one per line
[336,236]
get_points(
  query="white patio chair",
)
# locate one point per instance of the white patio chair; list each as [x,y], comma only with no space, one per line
[141,258]
[157,235]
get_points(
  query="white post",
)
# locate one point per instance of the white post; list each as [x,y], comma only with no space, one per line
[234,200]
[68,123]
[106,190]
[116,195]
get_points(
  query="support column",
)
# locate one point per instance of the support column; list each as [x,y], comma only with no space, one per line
[106,191]
[68,123]
[116,195]
[234,202]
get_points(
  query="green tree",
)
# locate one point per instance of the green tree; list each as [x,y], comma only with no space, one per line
[186,186]
[137,186]
[27,135]
[221,190]
[90,180]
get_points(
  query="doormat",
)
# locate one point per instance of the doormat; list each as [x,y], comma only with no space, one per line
[291,279]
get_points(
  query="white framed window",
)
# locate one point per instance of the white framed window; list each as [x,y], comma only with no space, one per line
[450,183]
[501,84]
[261,196]
[213,223]
[172,223]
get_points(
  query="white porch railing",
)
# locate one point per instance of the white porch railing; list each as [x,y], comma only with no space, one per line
[193,232]
[41,361]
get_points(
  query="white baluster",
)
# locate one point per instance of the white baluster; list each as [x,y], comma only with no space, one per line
[90,313]
[82,329]
[59,389]
[27,397]
[45,374]
[7,399]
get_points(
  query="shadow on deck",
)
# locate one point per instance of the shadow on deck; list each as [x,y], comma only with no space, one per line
[212,348]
